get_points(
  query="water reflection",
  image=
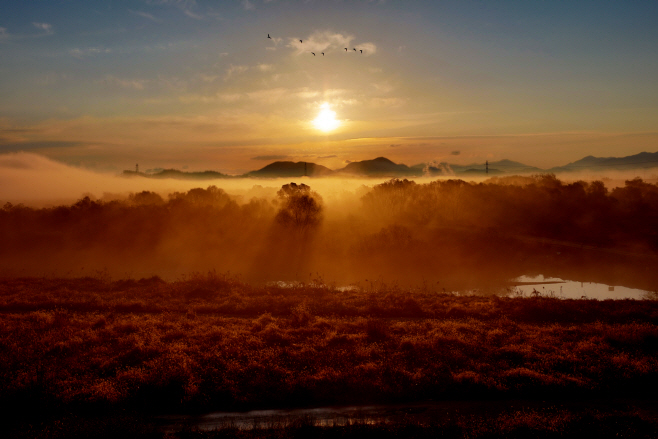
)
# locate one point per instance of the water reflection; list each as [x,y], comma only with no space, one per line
[322,416]
[529,286]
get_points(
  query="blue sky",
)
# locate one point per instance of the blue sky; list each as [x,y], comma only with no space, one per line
[173,83]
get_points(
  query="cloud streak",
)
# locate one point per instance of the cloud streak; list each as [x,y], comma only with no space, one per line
[47,28]
[89,51]
[134,84]
[325,41]
[234,70]
[186,6]
[270,157]
[145,15]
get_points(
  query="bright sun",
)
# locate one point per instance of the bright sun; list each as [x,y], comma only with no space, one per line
[326,120]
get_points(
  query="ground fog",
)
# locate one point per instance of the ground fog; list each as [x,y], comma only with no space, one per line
[440,234]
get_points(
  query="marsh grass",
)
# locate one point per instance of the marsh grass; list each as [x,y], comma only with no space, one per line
[211,342]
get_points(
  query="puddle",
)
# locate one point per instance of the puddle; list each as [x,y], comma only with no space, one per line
[324,416]
[568,289]
[526,286]
[424,412]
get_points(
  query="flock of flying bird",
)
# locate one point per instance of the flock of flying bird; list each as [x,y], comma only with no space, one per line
[360,50]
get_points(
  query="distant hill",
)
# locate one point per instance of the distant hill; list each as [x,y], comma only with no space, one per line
[379,167]
[383,167]
[590,163]
[483,172]
[500,167]
[291,169]
[179,175]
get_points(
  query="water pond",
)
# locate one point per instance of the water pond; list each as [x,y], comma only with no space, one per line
[568,289]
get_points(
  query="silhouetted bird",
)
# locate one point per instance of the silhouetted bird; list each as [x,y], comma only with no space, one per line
[355,50]
[300,41]
[346,49]
[361,50]
[322,53]
[313,53]
[268,36]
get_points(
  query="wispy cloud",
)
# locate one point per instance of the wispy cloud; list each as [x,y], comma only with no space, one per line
[265,67]
[367,48]
[324,41]
[3,33]
[134,84]
[275,40]
[247,5]
[229,97]
[387,102]
[270,157]
[307,93]
[268,96]
[50,78]
[186,6]
[89,51]
[207,78]
[177,3]
[47,28]
[192,14]
[382,87]
[234,70]
[145,15]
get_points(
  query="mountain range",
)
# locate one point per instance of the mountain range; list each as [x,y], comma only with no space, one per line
[383,167]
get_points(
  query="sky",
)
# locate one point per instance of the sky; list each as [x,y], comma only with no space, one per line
[198,85]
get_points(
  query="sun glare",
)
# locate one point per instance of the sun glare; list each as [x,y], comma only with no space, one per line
[326,120]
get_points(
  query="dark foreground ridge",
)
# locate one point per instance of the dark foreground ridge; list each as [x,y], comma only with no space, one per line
[98,353]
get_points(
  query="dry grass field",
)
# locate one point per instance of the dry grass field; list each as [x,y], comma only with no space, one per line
[208,343]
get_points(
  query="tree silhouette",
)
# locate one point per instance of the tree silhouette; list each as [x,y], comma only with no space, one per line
[301,208]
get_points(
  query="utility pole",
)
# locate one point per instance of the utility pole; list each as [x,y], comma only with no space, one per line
[486,168]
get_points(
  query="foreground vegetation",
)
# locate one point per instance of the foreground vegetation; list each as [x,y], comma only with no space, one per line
[210,342]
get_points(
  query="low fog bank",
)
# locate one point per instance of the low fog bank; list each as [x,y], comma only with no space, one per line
[37,181]
[444,234]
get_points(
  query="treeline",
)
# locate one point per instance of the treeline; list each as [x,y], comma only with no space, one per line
[198,228]
[540,206]
[450,233]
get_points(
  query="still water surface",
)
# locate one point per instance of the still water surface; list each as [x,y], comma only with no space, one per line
[568,289]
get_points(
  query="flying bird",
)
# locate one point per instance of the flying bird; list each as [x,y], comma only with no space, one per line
[346,49]
[355,50]
[322,53]
[300,41]
[361,50]
[313,53]
[268,36]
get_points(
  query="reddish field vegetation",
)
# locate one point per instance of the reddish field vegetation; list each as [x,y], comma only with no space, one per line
[210,343]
